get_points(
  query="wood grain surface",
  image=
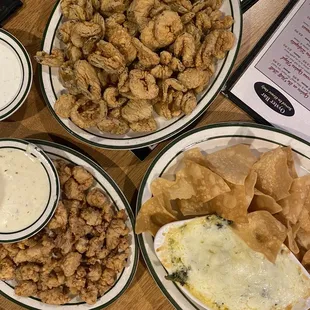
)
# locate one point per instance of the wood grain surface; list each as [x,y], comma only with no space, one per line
[33,120]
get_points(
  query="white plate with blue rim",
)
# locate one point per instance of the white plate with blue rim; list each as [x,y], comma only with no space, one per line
[29,190]
[15,74]
[209,139]
[52,89]
[104,182]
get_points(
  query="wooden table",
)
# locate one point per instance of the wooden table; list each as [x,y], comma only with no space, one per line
[33,120]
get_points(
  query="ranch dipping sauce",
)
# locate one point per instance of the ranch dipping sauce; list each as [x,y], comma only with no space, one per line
[24,189]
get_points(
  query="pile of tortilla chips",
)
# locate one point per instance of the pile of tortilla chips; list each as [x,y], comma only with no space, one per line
[264,197]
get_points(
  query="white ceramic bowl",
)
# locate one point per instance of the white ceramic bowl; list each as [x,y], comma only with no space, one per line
[54,190]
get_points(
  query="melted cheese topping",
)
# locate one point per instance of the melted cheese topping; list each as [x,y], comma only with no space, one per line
[24,189]
[224,273]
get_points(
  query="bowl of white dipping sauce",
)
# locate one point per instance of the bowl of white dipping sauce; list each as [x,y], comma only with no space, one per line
[29,190]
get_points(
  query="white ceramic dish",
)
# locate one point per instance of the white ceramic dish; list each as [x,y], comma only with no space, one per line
[104,181]
[51,89]
[15,74]
[159,241]
[53,190]
[210,139]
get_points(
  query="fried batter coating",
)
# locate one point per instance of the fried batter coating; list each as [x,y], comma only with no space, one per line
[107,279]
[90,293]
[202,4]
[87,80]
[165,58]
[36,254]
[51,280]
[7,269]
[193,78]
[142,84]
[67,78]
[55,59]
[55,296]
[3,252]
[117,262]
[72,190]
[109,7]
[97,198]
[147,58]
[138,12]
[168,26]
[86,113]
[108,58]
[64,105]
[123,244]
[114,126]
[89,45]
[147,36]
[216,44]
[73,9]
[187,17]
[60,217]
[161,72]
[79,227]
[184,46]
[26,288]
[121,39]
[11,248]
[176,65]
[95,245]
[172,84]
[189,102]
[64,31]
[63,170]
[137,110]
[91,216]
[195,32]
[88,29]
[111,96]
[64,241]
[83,177]
[81,245]
[116,229]
[94,273]
[73,53]
[76,283]
[70,263]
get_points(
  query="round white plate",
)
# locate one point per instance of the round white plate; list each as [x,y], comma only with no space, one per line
[15,74]
[103,181]
[210,139]
[51,89]
[54,190]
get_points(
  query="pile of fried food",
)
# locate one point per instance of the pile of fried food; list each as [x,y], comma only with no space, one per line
[264,198]
[123,60]
[79,253]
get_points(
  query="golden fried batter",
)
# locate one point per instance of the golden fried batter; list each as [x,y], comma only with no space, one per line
[7,269]
[83,177]
[146,57]
[137,110]
[97,198]
[26,288]
[184,47]
[60,217]
[55,296]
[70,263]
[55,59]
[112,97]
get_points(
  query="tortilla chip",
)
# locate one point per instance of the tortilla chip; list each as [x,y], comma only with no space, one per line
[264,202]
[306,259]
[206,184]
[193,207]
[262,234]
[291,235]
[233,163]
[153,215]
[233,205]
[303,239]
[181,188]
[304,220]
[273,177]
[293,204]
[290,162]
[195,155]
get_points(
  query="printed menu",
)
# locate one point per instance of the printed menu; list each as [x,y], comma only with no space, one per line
[276,84]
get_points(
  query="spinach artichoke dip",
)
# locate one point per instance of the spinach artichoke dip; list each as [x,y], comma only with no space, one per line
[215,266]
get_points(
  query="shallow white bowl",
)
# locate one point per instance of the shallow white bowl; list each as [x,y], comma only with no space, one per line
[54,190]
